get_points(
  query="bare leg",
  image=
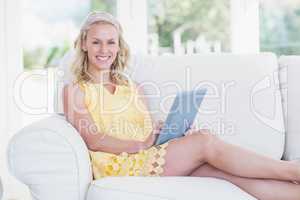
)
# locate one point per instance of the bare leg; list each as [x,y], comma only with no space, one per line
[186,154]
[242,162]
[262,189]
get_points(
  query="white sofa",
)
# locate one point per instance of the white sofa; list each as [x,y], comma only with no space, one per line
[243,106]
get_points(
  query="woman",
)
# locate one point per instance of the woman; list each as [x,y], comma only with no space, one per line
[110,113]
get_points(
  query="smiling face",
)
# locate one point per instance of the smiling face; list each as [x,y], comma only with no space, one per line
[102,46]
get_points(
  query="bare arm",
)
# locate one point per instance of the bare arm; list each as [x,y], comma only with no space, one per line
[77,114]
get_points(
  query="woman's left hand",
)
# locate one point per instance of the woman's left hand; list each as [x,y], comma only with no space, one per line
[191,130]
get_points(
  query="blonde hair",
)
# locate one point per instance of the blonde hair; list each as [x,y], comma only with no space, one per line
[80,62]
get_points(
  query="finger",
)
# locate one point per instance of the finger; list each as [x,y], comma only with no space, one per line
[156,124]
[189,132]
[160,121]
[159,125]
[155,131]
[193,127]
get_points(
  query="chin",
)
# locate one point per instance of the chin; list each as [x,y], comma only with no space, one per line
[102,66]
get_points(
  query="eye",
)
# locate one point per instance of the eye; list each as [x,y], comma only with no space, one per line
[111,42]
[95,42]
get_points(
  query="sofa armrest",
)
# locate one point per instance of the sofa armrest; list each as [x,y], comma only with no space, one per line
[289,76]
[51,158]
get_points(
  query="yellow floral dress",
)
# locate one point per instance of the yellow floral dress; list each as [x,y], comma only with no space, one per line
[124,116]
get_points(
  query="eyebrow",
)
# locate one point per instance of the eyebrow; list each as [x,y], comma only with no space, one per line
[100,40]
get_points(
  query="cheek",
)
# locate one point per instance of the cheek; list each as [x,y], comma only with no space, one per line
[92,49]
[90,53]
[114,52]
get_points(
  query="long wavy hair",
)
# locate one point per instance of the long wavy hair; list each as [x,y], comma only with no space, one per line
[80,63]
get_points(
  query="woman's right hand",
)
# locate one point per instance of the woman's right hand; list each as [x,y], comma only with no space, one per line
[150,141]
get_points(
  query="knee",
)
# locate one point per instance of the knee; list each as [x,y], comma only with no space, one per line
[205,136]
[205,140]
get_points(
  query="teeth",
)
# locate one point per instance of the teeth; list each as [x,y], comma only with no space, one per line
[102,58]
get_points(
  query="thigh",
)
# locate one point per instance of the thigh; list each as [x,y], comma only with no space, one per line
[184,155]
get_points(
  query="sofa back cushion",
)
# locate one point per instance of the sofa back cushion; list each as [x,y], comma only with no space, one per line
[290,72]
[243,102]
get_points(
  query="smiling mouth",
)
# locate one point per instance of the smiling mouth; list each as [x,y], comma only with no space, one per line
[103,58]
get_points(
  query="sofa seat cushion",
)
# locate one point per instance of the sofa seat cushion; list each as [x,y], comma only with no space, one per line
[159,188]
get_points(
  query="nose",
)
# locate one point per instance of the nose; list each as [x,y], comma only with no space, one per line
[103,48]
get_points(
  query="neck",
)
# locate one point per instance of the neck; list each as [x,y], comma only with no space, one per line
[100,76]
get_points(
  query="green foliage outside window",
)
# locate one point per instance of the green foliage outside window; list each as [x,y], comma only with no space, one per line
[208,18]
[104,5]
[43,57]
[280,28]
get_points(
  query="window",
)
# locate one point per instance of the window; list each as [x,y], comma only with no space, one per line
[188,26]
[280,26]
[49,28]
[104,5]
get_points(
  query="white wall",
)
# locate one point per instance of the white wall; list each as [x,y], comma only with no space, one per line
[11,67]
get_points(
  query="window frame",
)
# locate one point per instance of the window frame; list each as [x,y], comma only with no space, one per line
[245,26]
